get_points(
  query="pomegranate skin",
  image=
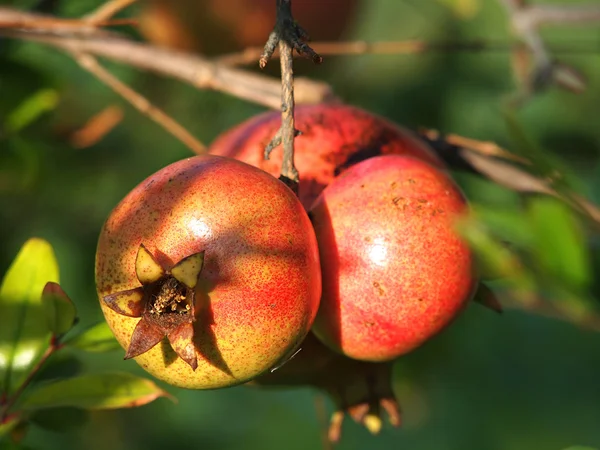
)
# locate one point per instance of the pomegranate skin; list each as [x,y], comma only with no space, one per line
[395,272]
[334,137]
[259,288]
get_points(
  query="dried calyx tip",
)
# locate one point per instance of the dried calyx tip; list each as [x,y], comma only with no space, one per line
[165,303]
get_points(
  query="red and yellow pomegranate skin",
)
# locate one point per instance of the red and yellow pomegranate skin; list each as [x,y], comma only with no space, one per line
[334,137]
[395,272]
[259,288]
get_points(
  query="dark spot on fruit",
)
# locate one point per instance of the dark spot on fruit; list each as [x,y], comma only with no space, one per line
[378,287]
[369,324]
[393,185]
[422,200]
[362,186]
[411,181]
[367,239]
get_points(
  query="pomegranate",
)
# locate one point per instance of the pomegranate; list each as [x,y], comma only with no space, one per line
[395,272]
[217,26]
[334,137]
[208,273]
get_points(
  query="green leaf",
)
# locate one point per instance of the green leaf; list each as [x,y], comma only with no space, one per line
[24,334]
[31,109]
[561,249]
[579,447]
[97,391]
[60,311]
[60,419]
[97,339]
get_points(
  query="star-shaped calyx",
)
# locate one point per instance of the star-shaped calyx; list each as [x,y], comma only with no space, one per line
[165,303]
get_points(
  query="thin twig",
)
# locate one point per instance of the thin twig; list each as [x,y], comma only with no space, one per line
[11,400]
[108,10]
[139,102]
[290,36]
[287,133]
[407,47]
[65,25]
[189,68]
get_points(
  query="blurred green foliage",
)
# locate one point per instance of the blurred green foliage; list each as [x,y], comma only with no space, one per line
[518,381]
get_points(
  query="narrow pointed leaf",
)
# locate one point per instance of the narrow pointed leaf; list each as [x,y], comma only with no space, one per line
[31,109]
[144,337]
[24,333]
[129,303]
[188,269]
[60,311]
[97,339]
[181,340]
[96,391]
[146,268]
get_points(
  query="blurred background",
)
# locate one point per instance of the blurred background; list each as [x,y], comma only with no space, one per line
[516,381]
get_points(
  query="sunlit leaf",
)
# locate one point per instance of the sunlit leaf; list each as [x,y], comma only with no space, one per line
[96,339]
[494,259]
[60,311]
[507,224]
[60,419]
[97,391]
[31,109]
[23,332]
[561,247]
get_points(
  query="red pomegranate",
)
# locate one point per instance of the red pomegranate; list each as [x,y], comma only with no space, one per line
[395,272]
[218,26]
[334,137]
[208,273]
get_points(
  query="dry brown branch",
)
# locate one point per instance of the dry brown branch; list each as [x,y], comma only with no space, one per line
[194,70]
[485,158]
[487,148]
[138,101]
[66,25]
[408,47]
[108,10]
[290,37]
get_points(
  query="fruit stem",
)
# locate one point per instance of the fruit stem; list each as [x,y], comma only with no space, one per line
[289,36]
[11,400]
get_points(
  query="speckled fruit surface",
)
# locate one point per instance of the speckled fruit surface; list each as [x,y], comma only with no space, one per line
[334,137]
[259,288]
[395,272]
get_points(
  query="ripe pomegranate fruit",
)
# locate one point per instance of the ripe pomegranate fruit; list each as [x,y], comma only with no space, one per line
[395,272]
[218,26]
[362,390]
[334,137]
[208,273]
